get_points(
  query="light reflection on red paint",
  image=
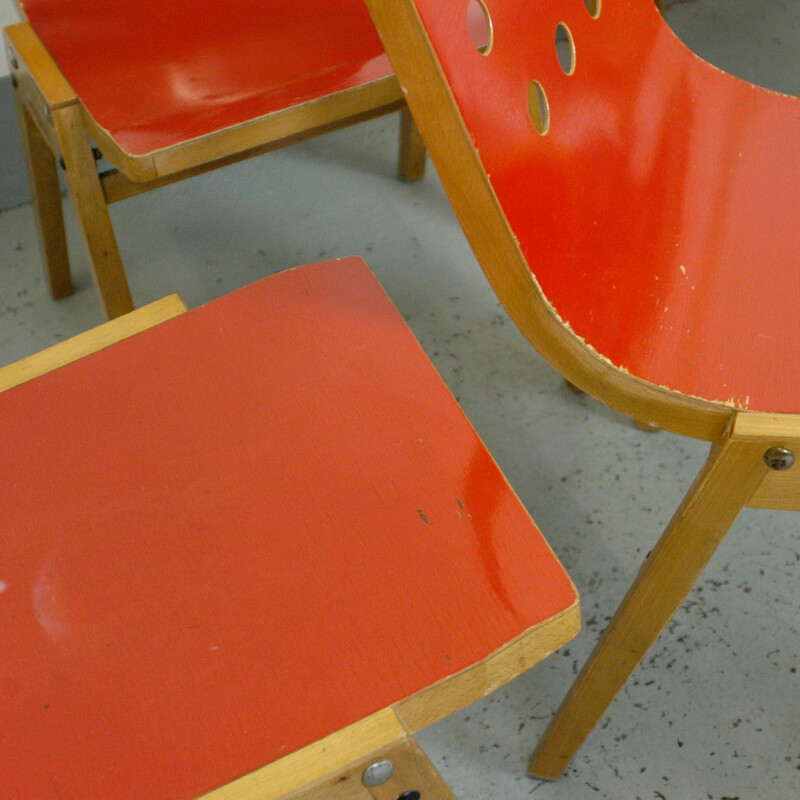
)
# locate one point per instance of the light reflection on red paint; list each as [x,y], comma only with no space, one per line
[175,74]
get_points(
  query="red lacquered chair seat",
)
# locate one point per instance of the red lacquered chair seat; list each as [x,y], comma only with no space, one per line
[166,91]
[155,74]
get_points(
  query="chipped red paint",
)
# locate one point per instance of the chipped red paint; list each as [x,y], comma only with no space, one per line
[659,213]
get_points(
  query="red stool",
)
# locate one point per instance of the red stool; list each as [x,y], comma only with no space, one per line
[249,551]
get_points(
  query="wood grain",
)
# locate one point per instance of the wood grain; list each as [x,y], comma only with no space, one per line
[362,741]
[46,199]
[91,212]
[728,480]
[84,344]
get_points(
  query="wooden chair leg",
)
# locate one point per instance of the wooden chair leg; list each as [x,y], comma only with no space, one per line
[730,476]
[412,149]
[46,196]
[91,211]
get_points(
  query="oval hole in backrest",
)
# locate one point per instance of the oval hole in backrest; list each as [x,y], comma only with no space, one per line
[565,48]
[593,7]
[538,107]
[479,22]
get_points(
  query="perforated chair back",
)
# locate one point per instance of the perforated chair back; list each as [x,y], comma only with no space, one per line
[652,198]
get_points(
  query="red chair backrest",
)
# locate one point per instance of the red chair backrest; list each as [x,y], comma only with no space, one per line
[657,208]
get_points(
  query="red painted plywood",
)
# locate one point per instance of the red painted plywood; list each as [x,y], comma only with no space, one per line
[239,531]
[659,212]
[155,74]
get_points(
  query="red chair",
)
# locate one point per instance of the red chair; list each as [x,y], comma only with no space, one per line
[241,559]
[635,209]
[170,90]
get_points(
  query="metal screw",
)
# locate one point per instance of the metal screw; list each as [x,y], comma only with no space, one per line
[412,795]
[98,156]
[378,773]
[779,458]
[14,81]
[62,163]
[12,60]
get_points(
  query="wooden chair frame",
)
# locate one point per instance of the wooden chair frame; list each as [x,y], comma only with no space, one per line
[750,463]
[56,129]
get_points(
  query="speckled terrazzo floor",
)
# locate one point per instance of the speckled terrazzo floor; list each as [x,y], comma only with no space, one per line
[712,713]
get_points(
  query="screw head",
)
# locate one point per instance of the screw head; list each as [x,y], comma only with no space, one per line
[378,773]
[779,458]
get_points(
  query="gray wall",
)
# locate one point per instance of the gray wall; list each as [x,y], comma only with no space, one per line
[13,181]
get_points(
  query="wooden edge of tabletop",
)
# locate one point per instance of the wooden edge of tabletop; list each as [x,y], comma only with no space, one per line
[273,130]
[518,656]
[84,344]
[753,425]
[318,761]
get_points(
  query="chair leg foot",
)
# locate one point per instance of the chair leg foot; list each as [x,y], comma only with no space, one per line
[727,481]
[412,149]
[647,427]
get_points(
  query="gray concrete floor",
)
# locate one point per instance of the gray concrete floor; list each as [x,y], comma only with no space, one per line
[712,712]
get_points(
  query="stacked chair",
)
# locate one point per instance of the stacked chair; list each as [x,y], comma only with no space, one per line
[166,91]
